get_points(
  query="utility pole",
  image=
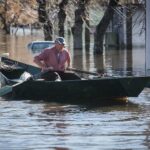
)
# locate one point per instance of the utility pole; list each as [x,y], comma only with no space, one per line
[147,52]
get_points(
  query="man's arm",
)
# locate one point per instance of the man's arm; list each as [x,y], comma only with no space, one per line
[40,63]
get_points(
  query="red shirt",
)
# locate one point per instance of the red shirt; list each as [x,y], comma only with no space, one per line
[53,58]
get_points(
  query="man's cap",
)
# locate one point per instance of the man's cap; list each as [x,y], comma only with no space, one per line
[60,40]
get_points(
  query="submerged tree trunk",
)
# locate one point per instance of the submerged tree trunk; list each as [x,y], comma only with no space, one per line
[6,25]
[87,34]
[48,30]
[102,27]
[43,18]
[129,28]
[77,29]
[62,17]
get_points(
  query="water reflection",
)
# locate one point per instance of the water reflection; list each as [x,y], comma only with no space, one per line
[40,125]
[119,62]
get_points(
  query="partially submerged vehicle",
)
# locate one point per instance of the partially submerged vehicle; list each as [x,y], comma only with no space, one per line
[38,46]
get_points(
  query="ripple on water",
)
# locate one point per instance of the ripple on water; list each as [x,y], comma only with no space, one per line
[41,125]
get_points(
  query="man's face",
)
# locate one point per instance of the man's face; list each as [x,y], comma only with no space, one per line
[59,46]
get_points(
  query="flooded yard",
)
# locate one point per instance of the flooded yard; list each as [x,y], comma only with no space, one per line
[39,125]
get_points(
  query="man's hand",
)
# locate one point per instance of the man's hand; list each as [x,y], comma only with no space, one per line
[47,68]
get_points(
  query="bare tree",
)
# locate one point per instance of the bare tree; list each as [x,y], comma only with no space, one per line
[62,16]
[20,13]
[129,27]
[43,18]
[102,26]
[77,28]
[3,17]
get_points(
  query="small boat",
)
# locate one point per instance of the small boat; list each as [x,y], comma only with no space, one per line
[91,91]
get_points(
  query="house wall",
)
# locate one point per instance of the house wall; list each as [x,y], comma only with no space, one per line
[138,28]
[118,26]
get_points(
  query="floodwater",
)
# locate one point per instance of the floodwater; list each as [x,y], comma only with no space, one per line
[39,125]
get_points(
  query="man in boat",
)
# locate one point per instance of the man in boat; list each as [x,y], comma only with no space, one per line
[56,60]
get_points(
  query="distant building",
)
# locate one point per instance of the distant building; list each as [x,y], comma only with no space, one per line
[118,30]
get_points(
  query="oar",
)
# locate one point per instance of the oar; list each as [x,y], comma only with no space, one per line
[83,71]
[8,88]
